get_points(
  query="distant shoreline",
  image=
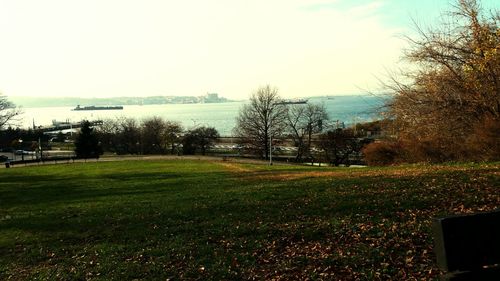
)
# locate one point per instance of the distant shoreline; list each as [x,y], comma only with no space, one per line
[32,102]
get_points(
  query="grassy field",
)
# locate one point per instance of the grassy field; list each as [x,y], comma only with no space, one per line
[214,220]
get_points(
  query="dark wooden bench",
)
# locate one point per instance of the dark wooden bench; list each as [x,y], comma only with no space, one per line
[468,247]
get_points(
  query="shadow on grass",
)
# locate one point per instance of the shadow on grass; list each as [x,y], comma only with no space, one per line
[159,200]
[177,223]
[19,191]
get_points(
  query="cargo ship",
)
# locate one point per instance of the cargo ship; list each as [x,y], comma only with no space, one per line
[294,101]
[92,107]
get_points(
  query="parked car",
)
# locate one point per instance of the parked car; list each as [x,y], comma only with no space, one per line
[25,152]
[3,158]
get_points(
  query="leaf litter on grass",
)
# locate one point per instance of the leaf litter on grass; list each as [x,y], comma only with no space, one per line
[280,223]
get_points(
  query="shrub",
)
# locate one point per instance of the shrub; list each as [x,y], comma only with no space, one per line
[484,144]
[382,153]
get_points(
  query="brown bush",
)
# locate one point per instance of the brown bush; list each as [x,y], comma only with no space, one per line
[434,149]
[382,153]
[484,143]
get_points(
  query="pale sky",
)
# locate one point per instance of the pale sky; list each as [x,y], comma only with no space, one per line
[105,48]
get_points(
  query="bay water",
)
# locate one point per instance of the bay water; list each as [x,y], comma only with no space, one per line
[222,116]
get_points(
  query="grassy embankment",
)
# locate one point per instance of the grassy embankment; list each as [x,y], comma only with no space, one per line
[223,220]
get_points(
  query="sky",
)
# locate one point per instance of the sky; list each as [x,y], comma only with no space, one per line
[107,48]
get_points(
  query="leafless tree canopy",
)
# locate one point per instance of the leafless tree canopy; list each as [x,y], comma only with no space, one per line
[261,119]
[303,121]
[154,135]
[121,135]
[201,138]
[455,90]
[128,136]
[7,112]
[173,134]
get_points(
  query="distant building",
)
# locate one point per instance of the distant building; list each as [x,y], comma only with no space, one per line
[212,98]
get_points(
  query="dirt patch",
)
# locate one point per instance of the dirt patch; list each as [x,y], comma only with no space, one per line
[235,168]
[356,173]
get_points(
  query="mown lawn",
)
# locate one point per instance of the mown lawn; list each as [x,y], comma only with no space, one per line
[211,220]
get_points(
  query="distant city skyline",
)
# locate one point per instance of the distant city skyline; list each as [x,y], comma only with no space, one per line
[116,48]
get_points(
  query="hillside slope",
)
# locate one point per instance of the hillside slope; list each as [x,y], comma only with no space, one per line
[213,220]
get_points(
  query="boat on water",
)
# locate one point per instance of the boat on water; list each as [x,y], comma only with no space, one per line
[92,107]
[294,101]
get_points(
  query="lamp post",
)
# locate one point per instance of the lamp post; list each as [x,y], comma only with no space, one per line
[22,150]
[40,149]
[270,139]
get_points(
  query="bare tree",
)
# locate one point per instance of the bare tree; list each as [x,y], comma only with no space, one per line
[129,136]
[154,135]
[261,120]
[199,138]
[173,134]
[455,86]
[107,132]
[303,121]
[339,145]
[121,135]
[8,111]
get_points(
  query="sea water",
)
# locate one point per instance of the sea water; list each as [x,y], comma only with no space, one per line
[222,116]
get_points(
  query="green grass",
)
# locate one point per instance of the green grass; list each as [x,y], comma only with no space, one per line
[209,220]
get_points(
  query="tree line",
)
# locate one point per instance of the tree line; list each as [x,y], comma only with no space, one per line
[264,124]
[152,135]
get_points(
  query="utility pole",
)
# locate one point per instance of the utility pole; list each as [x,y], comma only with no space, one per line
[39,150]
[270,150]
